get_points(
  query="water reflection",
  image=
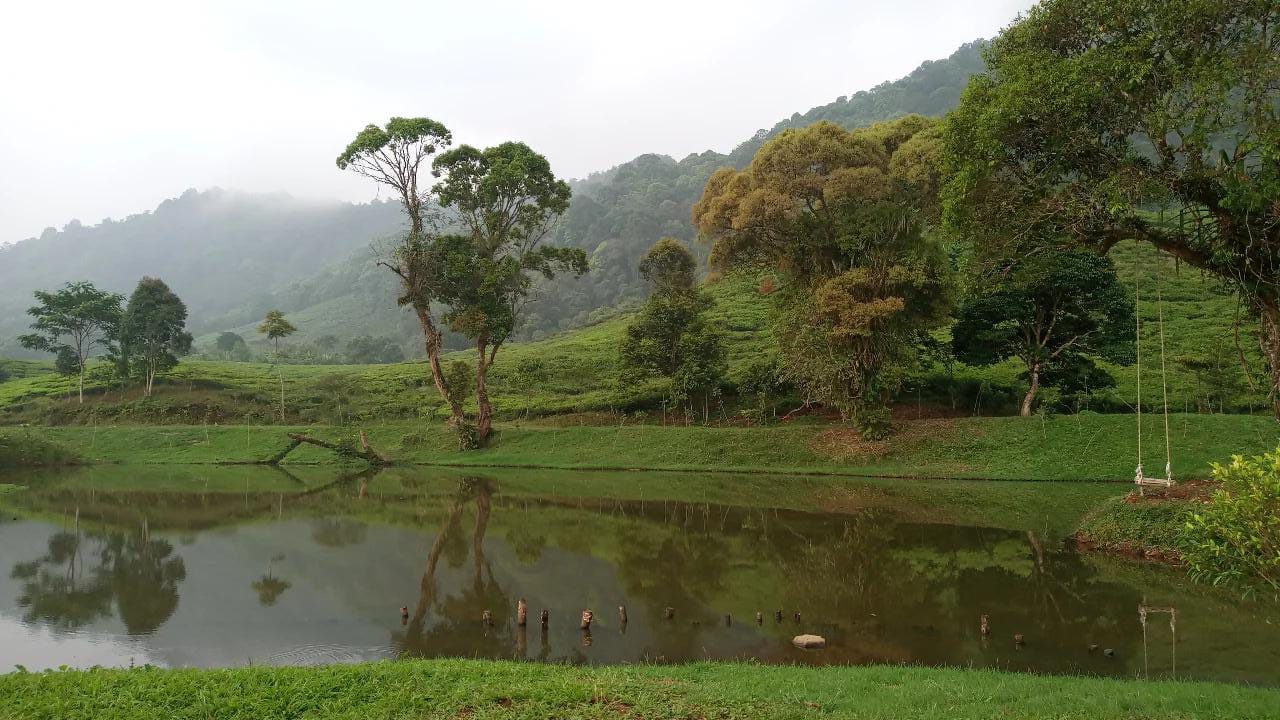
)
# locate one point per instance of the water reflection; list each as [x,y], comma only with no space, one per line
[82,575]
[315,569]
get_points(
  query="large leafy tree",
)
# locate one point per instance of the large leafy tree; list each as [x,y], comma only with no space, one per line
[73,323]
[1133,119]
[508,199]
[844,215]
[153,334]
[671,336]
[396,155]
[1054,311]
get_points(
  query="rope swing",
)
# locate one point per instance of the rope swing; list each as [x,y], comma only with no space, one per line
[1139,478]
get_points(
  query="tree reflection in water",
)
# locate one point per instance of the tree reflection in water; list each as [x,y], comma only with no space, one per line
[457,632]
[84,573]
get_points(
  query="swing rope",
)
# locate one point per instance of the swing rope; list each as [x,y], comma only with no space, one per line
[1139,477]
[1164,381]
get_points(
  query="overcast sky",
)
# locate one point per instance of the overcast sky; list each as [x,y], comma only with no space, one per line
[107,108]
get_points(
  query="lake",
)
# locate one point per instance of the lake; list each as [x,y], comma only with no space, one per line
[213,567]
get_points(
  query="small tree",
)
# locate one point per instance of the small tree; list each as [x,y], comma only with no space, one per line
[231,346]
[275,326]
[72,323]
[153,333]
[671,337]
[1051,310]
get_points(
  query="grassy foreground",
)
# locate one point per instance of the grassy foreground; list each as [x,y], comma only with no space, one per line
[485,689]
[1077,447]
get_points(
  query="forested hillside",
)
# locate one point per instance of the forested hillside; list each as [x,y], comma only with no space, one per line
[231,256]
[225,253]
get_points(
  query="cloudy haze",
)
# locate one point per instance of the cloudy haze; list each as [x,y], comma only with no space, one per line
[108,108]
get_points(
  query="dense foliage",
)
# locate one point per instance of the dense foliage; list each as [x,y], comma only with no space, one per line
[1056,311]
[1138,119]
[153,333]
[671,336]
[1234,539]
[73,323]
[844,215]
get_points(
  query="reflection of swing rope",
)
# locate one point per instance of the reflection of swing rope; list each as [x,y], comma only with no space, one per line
[1173,642]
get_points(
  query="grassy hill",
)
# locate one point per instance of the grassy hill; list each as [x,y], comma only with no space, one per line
[581,371]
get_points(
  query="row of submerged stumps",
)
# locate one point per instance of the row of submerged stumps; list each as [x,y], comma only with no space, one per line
[1019,640]
[804,641]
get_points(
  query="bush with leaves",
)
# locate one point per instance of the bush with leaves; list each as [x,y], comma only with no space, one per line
[1234,539]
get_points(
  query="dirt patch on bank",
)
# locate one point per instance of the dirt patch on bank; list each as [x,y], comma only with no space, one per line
[845,443]
[1200,491]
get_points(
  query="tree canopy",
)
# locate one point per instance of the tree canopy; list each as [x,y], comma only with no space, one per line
[1157,121]
[153,333]
[275,326]
[72,323]
[844,215]
[1054,311]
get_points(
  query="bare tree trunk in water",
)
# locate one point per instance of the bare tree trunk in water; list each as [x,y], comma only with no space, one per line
[1029,400]
[434,344]
[1269,343]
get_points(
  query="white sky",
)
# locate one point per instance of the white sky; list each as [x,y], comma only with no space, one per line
[107,108]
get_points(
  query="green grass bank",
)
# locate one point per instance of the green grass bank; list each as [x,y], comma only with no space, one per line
[1085,447]
[495,689]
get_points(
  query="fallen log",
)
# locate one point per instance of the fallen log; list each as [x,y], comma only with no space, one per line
[345,449]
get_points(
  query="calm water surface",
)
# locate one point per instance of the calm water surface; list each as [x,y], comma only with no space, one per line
[255,566]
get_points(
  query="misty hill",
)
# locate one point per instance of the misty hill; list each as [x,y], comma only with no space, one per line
[232,255]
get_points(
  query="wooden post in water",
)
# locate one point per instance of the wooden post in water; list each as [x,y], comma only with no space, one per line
[759,618]
[984,627]
[622,615]
[545,616]
[669,613]
[486,617]
[727,620]
[522,641]
[797,617]
[587,617]
[777,616]
[522,612]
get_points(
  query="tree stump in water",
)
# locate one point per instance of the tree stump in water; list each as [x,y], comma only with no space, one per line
[522,612]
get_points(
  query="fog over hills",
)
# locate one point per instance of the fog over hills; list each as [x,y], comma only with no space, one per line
[232,256]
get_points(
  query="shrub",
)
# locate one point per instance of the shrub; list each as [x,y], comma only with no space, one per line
[1235,538]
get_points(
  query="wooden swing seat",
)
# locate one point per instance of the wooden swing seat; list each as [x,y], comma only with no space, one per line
[1142,480]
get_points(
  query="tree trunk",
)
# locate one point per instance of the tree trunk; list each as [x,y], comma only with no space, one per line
[1269,342]
[1029,400]
[432,341]
[82,382]
[484,423]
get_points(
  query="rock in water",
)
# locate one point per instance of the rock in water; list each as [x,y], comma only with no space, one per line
[809,642]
